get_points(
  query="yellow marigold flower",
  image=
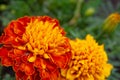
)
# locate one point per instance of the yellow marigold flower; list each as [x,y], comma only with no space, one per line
[111,22]
[89,61]
[35,47]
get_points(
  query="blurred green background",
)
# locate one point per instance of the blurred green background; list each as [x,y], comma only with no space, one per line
[77,17]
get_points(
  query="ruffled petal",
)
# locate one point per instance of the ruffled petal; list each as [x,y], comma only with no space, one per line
[62,60]
[27,68]
[24,20]
[48,70]
[5,60]
[46,75]
[21,75]
[3,52]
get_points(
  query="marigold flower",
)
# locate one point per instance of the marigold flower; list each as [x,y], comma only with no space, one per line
[111,22]
[36,47]
[89,61]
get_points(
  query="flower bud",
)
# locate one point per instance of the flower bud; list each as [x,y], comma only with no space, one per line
[111,22]
[3,7]
[90,11]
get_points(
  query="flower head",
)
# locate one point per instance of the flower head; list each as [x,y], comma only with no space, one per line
[36,47]
[89,61]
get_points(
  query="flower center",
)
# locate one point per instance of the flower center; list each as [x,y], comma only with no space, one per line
[36,35]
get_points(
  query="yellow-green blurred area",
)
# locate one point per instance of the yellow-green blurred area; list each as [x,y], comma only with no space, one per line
[77,17]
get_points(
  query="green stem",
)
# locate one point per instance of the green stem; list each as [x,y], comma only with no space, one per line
[76,12]
[100,36]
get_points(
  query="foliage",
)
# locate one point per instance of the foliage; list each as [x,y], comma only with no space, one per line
[66,11]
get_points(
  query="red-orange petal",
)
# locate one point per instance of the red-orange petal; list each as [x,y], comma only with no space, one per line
[24,20]
[61,60]
[21,75]
[27,68]
[6,61]
[18,28]
[39,63]
[46,75]
[49,72]
[14,31]
[3,52]
[18,52]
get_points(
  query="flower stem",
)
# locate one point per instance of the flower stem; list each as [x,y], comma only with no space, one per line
[76,12]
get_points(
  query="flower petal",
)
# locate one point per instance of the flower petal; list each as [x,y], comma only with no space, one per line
[27,68]
[46,75]
[21,75]
[62,60]
[3,52]
[6,61]
[24,20]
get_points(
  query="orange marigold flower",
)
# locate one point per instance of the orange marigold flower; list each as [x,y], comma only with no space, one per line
[89,61]
[36,47]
